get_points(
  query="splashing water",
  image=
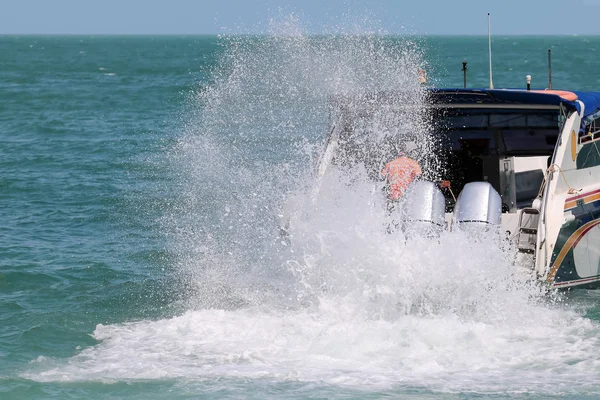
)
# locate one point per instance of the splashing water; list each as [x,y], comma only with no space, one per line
[253,142]
[345,303]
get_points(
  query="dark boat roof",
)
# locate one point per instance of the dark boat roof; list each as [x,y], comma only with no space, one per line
[519,98]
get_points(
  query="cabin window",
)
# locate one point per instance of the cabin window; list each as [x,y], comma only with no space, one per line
[466,122]
[589,155]
[479,142]
[530,140]
[508,120]
[516,132]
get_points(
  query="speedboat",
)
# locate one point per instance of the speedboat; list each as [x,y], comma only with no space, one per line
[524,161]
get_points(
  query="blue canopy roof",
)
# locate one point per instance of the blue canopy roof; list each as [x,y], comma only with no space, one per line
[518,97]
[591,100]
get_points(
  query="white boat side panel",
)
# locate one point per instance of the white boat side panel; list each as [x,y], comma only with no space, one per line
[510,222]
[555,193]
[522,164]
[583,180]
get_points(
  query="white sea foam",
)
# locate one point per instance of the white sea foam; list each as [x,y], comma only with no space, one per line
[344,303]
[542,350]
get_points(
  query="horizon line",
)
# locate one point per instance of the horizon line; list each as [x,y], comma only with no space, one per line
[306,34]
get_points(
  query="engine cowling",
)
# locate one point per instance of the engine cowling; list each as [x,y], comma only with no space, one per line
[423,208]
[478,204]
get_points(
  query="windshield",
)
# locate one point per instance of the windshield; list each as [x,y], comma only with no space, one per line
[498,132]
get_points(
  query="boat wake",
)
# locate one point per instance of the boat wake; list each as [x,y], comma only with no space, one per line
[333,345]
[344,303]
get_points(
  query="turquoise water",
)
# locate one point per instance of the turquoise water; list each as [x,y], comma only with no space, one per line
[140,183]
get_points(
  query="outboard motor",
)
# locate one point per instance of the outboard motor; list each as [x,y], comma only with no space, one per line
[478,206]
[423,209]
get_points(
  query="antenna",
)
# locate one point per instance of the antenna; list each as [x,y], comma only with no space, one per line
[549,69]
[490,50]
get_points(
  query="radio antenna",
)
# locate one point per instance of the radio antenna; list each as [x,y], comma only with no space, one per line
[549,69]
[490,50]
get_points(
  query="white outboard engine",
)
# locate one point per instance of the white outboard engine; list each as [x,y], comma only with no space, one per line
[478,206]
[423,208]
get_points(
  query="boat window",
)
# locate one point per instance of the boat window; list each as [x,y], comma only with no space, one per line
[517,132]
[470,140]
[466,121]
[529,140]
[588,156]
[589,135]
[550,121]
[508,120]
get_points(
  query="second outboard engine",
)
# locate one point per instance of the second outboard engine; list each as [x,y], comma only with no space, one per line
[478,206]
[423,208]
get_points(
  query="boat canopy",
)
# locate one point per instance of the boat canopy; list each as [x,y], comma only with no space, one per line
[591,100]
[491,98]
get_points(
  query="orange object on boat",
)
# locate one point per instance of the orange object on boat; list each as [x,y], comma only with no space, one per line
[565,94]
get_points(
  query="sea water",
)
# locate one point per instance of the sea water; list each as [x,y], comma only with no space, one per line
[142,186]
